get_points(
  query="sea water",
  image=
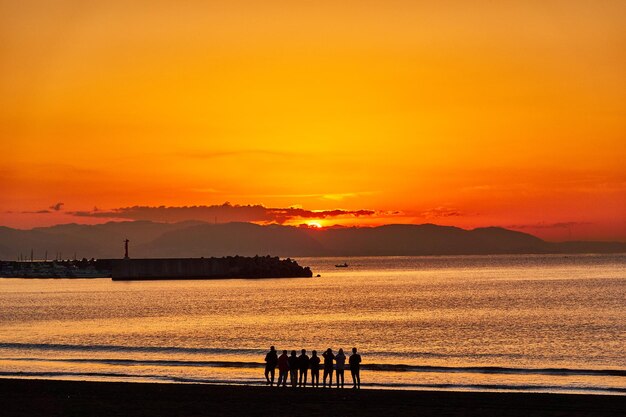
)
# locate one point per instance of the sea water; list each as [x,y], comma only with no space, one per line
[548,323]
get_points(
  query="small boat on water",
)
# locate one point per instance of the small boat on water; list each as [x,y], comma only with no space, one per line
[343,265]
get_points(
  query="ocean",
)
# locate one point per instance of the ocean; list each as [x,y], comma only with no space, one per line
[540,323]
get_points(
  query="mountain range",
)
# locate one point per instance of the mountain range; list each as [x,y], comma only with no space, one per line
[197,239]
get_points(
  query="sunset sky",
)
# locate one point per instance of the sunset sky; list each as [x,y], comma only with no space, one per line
[465,113]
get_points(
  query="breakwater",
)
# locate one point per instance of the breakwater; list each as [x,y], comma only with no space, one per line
[156,269]
[208,268]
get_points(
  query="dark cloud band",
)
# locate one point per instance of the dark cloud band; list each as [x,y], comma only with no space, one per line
[223,213]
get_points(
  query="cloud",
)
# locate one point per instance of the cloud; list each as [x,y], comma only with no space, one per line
[55,207]
[223,154]
[220,213]
[341,196]
[331,196]
[285,214]
[441,211]
[559,225]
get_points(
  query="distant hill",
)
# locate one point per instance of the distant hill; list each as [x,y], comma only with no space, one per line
[196,239]
[244,239]
[91,241]
[425,239]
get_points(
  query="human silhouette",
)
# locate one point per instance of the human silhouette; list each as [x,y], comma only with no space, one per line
[328,367]
[283,369]
[293,369]
[303,364]
[340,360]
[315,369]
[271,360]
[355,367]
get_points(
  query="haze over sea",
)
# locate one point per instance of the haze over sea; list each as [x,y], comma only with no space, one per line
[527,322]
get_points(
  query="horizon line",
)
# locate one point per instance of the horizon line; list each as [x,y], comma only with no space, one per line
[304,225]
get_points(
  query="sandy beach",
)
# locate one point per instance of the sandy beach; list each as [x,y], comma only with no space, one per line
[20,397]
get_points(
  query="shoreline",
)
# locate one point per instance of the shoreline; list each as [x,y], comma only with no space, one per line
[366,386]
[27,397]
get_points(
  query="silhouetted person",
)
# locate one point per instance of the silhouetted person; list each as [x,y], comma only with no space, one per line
[271,360]
[355,368]
[303,364]
[283,369]
[340,360]
[315,369]
[293,369]
[328,367]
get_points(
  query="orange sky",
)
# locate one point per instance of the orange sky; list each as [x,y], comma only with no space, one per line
[468,113]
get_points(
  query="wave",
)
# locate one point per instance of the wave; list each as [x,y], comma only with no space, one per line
[244,351]
[121,348]
[165,378]
[118,375]
[147,362]
[422,354]
[371,367]
[496,387]
[496,370]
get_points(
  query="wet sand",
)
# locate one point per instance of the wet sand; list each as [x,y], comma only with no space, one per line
[22,397]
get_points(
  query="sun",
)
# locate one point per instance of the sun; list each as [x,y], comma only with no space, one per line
[317,225]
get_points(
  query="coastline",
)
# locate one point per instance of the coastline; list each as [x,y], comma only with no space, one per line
[27,397]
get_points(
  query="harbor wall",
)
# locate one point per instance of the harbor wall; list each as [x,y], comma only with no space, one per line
[208,268]
[155,268]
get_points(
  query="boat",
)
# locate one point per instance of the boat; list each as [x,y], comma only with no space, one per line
[343,265]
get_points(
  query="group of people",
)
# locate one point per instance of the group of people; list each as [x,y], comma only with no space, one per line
[297,367]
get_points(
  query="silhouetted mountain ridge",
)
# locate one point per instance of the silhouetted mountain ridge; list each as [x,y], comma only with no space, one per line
[196,239]
[425,239]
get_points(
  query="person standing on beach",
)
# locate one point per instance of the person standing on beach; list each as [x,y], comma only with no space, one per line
[340,360]
[355,368]
[328,367]
[315,369]
[293,369]
[303,364]
[271,360]
[283,369]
